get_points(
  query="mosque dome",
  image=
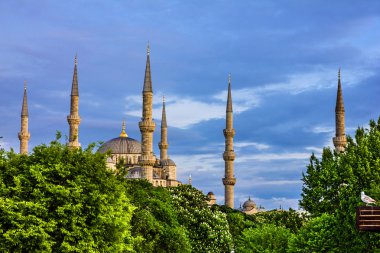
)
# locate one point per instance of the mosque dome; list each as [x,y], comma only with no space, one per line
[167,162]
[249,204]
[210,194]
[121,145]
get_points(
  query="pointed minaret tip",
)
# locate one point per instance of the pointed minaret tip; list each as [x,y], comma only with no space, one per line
[229,97]
[339,74]
[147,78]
[339,96]
[74,87]
[24,110]
[123,133]
[148,48]
[163,118]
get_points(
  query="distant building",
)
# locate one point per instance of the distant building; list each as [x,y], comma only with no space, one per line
[249,207]
[211,199]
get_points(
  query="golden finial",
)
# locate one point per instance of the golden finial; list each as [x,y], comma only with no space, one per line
[148,49]
[229,78]
[123,133]
[24,84]
[76,59]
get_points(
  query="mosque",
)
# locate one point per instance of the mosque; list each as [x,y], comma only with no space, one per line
[138,157]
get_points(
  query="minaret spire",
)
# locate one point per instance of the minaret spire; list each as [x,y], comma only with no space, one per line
[229,155]
[163,145]
[73,119]
[147,125]
[339,140]
[147,79]
[24,134]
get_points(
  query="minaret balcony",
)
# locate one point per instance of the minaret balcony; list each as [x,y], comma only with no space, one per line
[147,160]
[229,181]
[163,145]
[340,141]
[24,135]
[229,155]
[147,126]
[229,132]
[73,119]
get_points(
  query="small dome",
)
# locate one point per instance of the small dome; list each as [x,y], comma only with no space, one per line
[210,194]
[121,145]
[249,204]
[167,162]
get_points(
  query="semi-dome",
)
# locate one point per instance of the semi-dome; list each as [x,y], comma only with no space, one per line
[121,145]
[167,162]
[249,204]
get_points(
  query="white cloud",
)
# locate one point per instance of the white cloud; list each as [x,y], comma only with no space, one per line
[5,145]
[274,156]
[256,145]
[316,150]
[322,129]
[185,111]
[182,112]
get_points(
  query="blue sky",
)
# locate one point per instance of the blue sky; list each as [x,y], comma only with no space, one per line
[283,57]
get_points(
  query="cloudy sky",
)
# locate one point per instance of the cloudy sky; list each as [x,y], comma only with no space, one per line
[283,57]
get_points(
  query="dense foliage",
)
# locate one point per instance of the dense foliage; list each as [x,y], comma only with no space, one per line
[332,189]
[62,200]
[267,238]
[59,200]
[208,229]
[155,220]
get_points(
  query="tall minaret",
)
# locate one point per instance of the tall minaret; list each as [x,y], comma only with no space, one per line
[73,119]
[163,145]
[24,135]
[147,125]
[229,154]
[339,140]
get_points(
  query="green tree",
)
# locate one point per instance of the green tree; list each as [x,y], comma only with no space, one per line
[333,184]
[318,235]
[208,229]
[155,219]
[62,200]
[267,238]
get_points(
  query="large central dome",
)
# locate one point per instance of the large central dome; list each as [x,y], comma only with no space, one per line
[121,145]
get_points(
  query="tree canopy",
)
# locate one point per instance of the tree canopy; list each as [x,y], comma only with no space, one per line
[62,200]
[332,186]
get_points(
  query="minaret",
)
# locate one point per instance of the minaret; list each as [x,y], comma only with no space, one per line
[24,135]
[73,119]
[339,140]
[147,125]
[229,154]
[163,145]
